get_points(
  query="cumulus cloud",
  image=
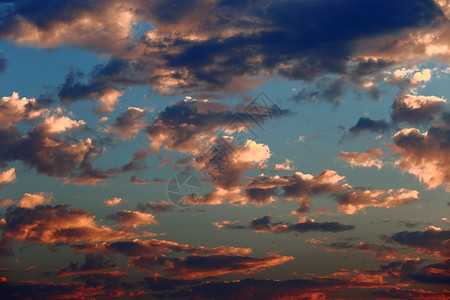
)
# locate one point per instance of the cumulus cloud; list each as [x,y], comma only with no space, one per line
[126,219]
[8,176]
[108,101]
[209,131]
[415,109]
[425,155]
[299,187]
[103,25]
[369,158]
[129,123]
[286,166]
[54,225]
[208,48]
[31,200]
[15,110]
[113,201]
[352,202]
[48,146]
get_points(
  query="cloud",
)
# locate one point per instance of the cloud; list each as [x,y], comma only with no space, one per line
[49,290]
[286,166]
[108,101]
[101,25]
[156,208]
[308,288]
[416,109]
[367,124]
[54,225]
[266,225]
[369,158]
[136,180]
[30,201]
[299,186]
[126,219]
[195,267]
[432,240]
[425,155]
[15,110]
[216,46]
[189,124]
[128,124]
[92,263]
[137,163]
[139,247]
[358,200]
[113,201]
[48,146]
[218,137]
[8,176]
[397,293]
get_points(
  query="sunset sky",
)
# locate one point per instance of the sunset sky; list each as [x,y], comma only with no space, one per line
[223,149]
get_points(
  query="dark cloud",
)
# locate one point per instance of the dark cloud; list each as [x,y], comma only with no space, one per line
[156,207]
[397,293]
[129,123]
[48,290]
[92,263]
[196,266]
[137,163]
[47,148]
[265,224]
[299,186]
[432,240]
[416,109]
[317,287]
[211,47]
[138,248]
[126,219]
[367,124]
[53,225]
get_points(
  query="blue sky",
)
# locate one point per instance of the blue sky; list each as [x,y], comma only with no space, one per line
[319,132]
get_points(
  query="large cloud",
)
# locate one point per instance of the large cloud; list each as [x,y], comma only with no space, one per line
[415,109]
[299,187]
[195,267]
[425,155]
[54,225]
[210,46]
[431,240]
[50,144]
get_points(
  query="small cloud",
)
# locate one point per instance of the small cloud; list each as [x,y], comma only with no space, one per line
[113,201]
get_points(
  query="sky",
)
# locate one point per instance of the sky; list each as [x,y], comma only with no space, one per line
[218,149]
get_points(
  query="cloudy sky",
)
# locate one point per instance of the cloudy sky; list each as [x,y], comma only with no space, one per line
[217,149]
